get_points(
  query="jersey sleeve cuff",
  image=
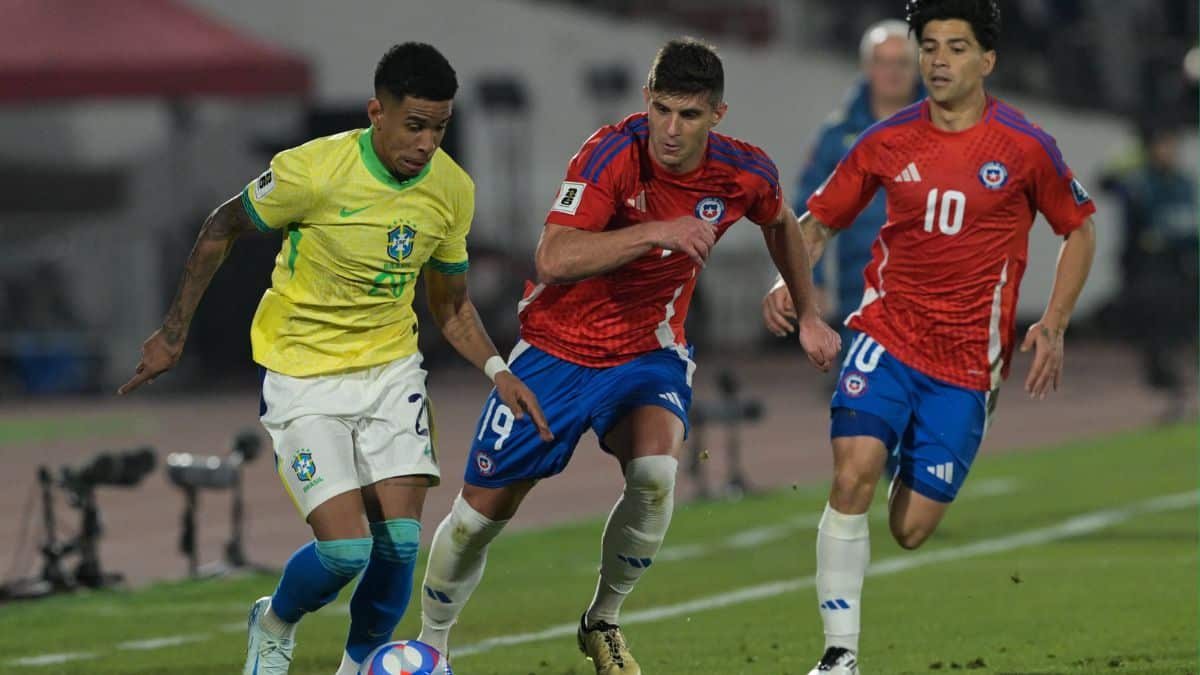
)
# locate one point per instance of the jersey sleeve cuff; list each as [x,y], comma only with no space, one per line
[819,213]
[249,206]
[449,267]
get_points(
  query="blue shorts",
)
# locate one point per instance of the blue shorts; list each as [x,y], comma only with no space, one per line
[574,399]
[932,429]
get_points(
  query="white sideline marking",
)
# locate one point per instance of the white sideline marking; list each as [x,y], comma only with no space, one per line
[159,643]
[992,487]
[51,659]
[752,538]
[1072,527]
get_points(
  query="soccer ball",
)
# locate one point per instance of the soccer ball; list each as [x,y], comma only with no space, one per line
[405,657]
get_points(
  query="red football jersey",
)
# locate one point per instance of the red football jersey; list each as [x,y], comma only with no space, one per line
[941,288]
[611,183]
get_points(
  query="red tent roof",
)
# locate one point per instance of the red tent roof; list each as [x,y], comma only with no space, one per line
[133,48]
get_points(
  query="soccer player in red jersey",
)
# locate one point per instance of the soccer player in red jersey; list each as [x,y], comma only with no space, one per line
[964,175]
[603,347]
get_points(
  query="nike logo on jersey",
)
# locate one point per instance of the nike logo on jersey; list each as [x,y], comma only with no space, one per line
[346,213]
[909,174]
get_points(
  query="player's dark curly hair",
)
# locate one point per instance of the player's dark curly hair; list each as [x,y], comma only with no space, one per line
[687,66]
[418,70]
[983,15]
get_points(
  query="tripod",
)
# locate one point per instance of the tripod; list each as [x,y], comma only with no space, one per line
[54,578]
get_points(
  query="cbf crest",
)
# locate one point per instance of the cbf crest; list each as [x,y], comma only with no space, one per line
[400,242]
[993,175]
[710,209]
[303,465]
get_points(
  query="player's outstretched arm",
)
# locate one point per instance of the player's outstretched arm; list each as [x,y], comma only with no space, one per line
[161,351]
[456,316]
[778,311]
[790,250]
[568,254]
[1046,336]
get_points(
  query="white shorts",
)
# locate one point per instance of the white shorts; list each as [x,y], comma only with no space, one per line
[337,433]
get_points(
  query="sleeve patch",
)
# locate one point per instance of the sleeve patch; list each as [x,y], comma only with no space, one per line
[569,196]
[264,185]
[1081,195]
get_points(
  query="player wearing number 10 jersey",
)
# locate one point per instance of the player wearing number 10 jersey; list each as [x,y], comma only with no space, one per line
[964,175]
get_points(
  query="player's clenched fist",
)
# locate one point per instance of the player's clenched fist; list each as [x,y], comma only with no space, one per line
[820,342]
[688,235]
[778,311]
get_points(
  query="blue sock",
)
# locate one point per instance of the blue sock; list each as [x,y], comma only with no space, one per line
[315,573]
[383,592]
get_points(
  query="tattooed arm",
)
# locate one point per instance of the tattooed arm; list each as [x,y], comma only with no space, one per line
[161,351]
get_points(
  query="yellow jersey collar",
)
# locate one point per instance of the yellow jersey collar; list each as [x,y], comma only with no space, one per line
[379,171]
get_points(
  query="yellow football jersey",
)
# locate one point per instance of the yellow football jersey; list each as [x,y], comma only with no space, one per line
[355,240]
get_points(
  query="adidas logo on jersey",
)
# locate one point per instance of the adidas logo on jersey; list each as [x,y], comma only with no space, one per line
[909,174]
[943,471]
[672,398]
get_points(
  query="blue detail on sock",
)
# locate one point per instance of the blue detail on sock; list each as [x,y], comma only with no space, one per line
[397,540]
[638,563]
[345,557]
[383,592]
[438,595]
[842,603]
[837,603]
[313,576]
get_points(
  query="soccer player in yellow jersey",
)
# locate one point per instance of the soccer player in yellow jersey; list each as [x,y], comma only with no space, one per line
[362,214]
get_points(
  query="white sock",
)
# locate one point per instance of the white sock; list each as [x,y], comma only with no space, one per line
[843,553]
[348,667]
[456,560]
[276,626]
[634,532]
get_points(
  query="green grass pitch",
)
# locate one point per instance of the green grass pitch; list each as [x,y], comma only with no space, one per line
[1065,560]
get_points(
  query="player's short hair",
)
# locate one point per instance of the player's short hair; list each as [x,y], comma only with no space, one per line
[982,15]
[879,32]
[418,70]
[687,66]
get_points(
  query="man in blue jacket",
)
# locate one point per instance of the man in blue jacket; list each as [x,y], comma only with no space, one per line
[890,82]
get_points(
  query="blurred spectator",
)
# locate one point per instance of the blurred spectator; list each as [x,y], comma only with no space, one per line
[1158,299]
[889,83]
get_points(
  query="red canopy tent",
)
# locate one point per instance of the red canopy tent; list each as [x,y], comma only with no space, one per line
[133,48]
[158,50]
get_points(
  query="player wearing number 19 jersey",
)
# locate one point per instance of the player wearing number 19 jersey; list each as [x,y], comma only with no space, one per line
[964,176]
[602,345]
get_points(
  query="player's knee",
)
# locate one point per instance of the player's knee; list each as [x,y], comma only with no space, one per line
[652,477]
[469,529]
[396,540]
[910,535]
[345,557]
[852,488]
